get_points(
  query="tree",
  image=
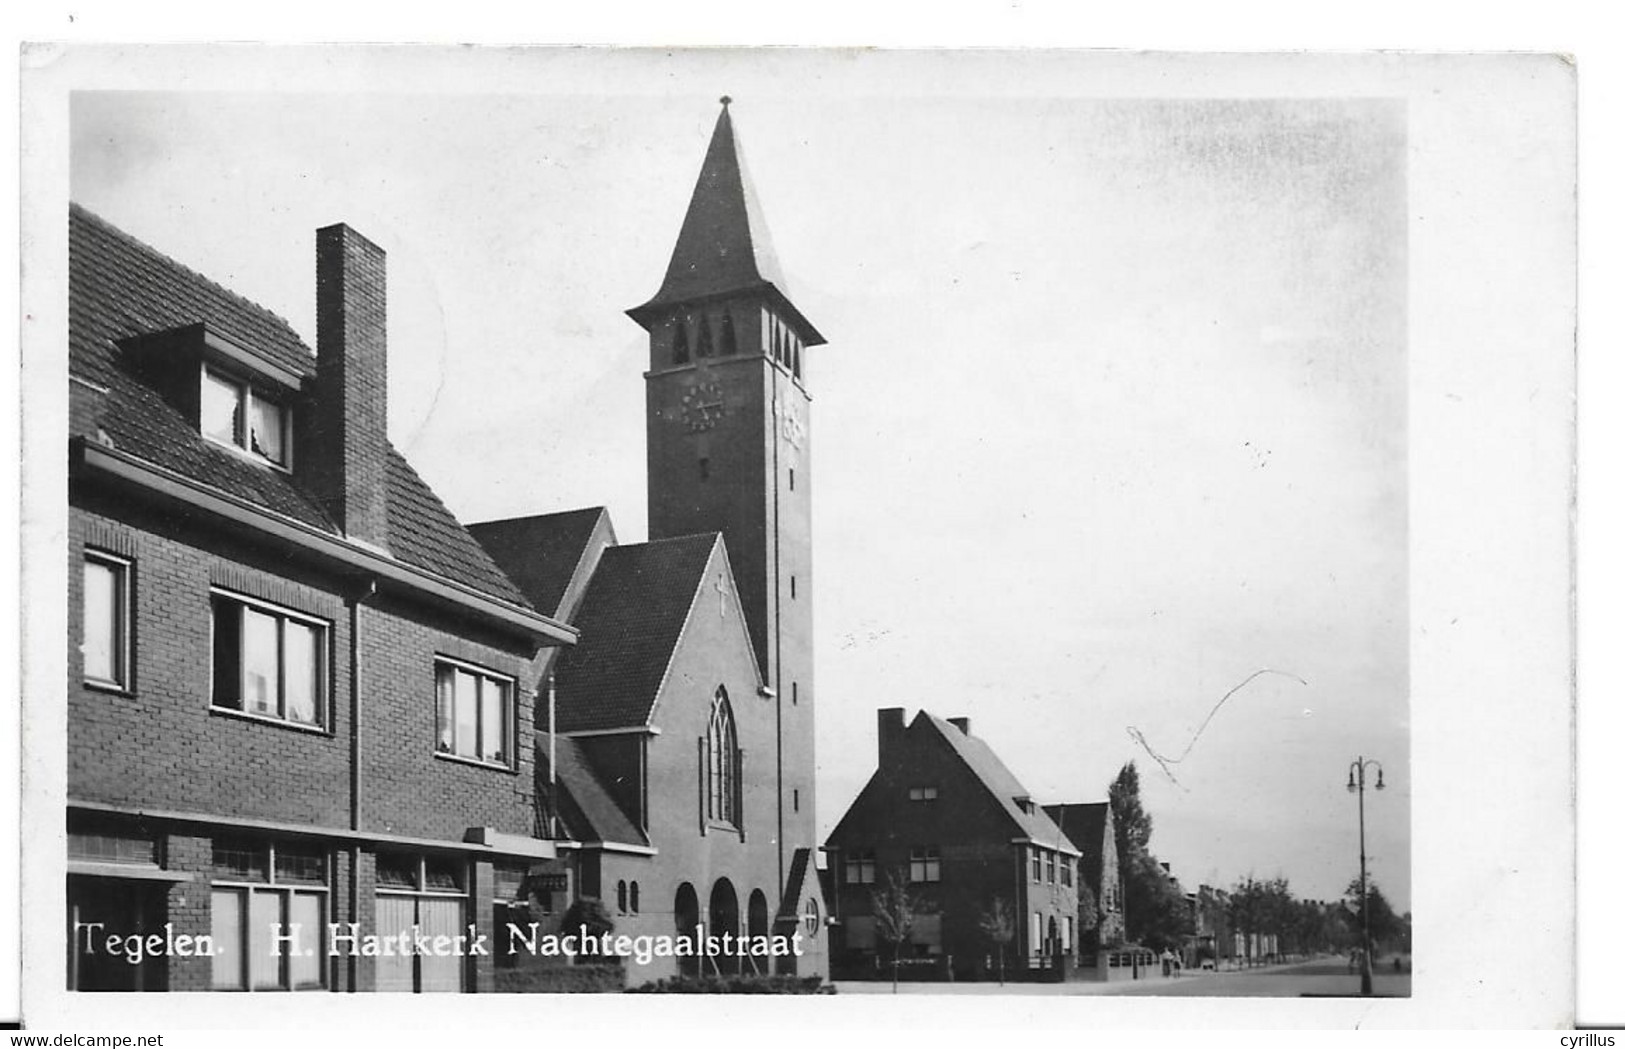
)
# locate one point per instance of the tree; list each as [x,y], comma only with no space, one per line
[1158,914]
[1247,912]
[1132,821]
[1088,908]
[1133,834]
[998,924]
[1384,924]
[895,908]
[588,913]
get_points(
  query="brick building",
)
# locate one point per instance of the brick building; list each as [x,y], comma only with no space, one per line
[1091,827]
[944,813]
[680,765]
[300,692]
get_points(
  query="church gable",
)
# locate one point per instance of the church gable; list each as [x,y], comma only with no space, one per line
[551,557]
[714,643]
[631,619]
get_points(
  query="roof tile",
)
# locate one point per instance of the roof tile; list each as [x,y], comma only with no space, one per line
[630,622]
[120,287]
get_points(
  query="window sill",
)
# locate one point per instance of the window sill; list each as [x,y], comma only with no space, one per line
[476,762]
[110,687]
[263,719]
[247,456]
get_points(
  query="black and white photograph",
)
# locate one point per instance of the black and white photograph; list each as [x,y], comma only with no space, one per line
[901,530]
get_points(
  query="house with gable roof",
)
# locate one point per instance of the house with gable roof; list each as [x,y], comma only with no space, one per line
[299,695]
[1092,828]
[944,815]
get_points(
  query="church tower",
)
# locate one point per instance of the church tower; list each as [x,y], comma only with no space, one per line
[729,443]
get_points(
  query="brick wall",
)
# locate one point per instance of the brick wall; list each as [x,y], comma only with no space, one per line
[344,456]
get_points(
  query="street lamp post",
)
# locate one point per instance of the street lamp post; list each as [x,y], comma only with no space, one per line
[1357,786]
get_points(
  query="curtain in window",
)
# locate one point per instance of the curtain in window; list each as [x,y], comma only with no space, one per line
[265,921]
[265,430]
[302,663]
[395,914]
[468,714]
[260,674]
[226,926]
[445,701]
[441,918]
[222,408]
[493,725]
[101,622]
[305,956]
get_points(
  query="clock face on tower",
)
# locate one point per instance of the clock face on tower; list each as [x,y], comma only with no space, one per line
[791,423]
[703,406]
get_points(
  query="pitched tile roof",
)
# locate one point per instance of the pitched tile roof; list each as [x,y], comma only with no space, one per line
[723,247]
[1085,824]
[630,622]
[119,287]
[122,287]
[998,779]
[424,533]
[589,813]
[540,554]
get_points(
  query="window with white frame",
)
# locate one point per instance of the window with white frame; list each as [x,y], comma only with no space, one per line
[922,794]
[268,905]
[1066,870]
[924,864]
[242,415]
[268,661]
[1049,867]
[860,867]
[810,918]
[106,647]
[473,713]
[1038,864]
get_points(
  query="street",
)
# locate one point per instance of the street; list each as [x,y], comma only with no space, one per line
[1321,977]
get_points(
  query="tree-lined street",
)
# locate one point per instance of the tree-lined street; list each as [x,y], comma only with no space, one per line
[1320,977]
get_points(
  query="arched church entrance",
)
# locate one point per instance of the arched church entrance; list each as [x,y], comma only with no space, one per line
[756,919]
[687,912]
[724,920]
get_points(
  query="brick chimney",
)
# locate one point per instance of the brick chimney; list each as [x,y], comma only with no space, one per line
[962,724]
[345,461]
[891,732]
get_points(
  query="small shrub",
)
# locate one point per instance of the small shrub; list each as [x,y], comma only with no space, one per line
[774,984]
[561,979]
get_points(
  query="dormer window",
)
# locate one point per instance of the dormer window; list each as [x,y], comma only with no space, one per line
[237,413]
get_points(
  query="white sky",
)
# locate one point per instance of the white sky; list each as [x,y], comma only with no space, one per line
[1112,415]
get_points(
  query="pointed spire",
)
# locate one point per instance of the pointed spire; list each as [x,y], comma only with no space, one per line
[723,247]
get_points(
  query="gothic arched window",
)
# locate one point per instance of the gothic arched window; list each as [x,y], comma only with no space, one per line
[704,347]
[729,342]
[722,762]
[679,344]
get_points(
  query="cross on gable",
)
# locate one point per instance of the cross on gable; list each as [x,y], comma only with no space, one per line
[722,596]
